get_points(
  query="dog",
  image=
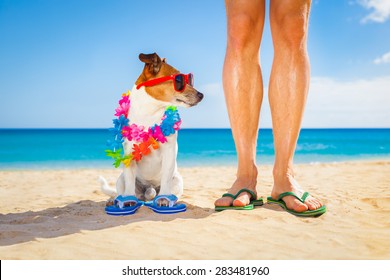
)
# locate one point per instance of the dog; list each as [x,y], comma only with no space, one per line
[156,174]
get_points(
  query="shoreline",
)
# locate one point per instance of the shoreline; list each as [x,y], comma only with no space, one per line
[59,214]
[232,164]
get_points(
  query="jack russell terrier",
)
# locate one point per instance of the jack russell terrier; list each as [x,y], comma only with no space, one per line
[146,128]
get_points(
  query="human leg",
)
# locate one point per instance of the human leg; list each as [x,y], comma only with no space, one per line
[288,88]
[243,87]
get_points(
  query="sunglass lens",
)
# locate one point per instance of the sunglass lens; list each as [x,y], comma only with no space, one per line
[179,82]
[191,79]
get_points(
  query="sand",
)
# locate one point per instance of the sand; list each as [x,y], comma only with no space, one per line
[59,214]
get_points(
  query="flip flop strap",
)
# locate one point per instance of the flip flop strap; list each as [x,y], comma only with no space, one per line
[229,195]
[253,195]
[301,199]
[234,196]
[304,196]
[171,198]
[121,200]
[127,198]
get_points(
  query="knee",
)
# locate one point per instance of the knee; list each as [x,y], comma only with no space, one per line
[290,28]
[242,33]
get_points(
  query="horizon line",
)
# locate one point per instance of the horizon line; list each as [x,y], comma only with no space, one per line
[186,128]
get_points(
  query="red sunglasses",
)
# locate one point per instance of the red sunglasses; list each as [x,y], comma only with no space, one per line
[179,81]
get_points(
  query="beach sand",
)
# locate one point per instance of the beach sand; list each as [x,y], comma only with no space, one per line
[59,214]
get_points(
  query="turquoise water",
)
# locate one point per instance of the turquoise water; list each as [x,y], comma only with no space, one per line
[84,148]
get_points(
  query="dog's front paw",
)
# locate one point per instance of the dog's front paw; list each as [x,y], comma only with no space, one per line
[150,193]
[110,202]
[163,202]
[129,203]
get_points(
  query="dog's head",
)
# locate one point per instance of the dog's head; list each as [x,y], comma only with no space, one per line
[154,68]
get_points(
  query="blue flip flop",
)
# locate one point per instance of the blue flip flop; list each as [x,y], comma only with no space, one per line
[122,206]
[171,209]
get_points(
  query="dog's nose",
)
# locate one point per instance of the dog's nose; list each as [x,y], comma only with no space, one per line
[200,95]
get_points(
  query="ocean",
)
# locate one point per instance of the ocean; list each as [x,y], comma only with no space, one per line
[84,148]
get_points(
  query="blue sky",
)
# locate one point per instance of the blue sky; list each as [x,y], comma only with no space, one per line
[65,63]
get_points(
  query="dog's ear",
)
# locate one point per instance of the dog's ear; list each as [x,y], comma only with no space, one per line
[152,62]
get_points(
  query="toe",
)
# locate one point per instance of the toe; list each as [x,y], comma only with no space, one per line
[299,206]
[242,200]
[313,203]
[294,204]
[223,201]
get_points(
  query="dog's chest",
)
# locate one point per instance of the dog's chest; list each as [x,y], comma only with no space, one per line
[152,166]
[146,112]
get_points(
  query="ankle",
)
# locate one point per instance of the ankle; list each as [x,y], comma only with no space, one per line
[283,176]
[247,171]
[283,172]
[245,182]
[246,179]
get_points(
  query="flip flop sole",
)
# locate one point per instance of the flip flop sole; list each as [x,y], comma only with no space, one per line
[257,202]
[116,211]
[247,207]
[251,206]
[168,210]
[308,213]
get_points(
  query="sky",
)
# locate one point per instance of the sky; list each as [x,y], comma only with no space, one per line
[65,63]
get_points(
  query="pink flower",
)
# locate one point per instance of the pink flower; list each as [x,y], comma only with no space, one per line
[143,136]
[122,109]
[135,132]
[124,99]
[124,106]
[158,135]
[126,132]
[176,126]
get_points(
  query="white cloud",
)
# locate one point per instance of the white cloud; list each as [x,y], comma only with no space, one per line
[380,10]
[357,103]
[331,103]
[383,59]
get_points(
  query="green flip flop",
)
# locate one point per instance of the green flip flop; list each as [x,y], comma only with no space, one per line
[253,201]
[308,213]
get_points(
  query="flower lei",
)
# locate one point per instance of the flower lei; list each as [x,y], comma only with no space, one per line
[146,139]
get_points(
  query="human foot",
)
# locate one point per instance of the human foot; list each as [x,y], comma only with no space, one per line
[244,198]
[286,188]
